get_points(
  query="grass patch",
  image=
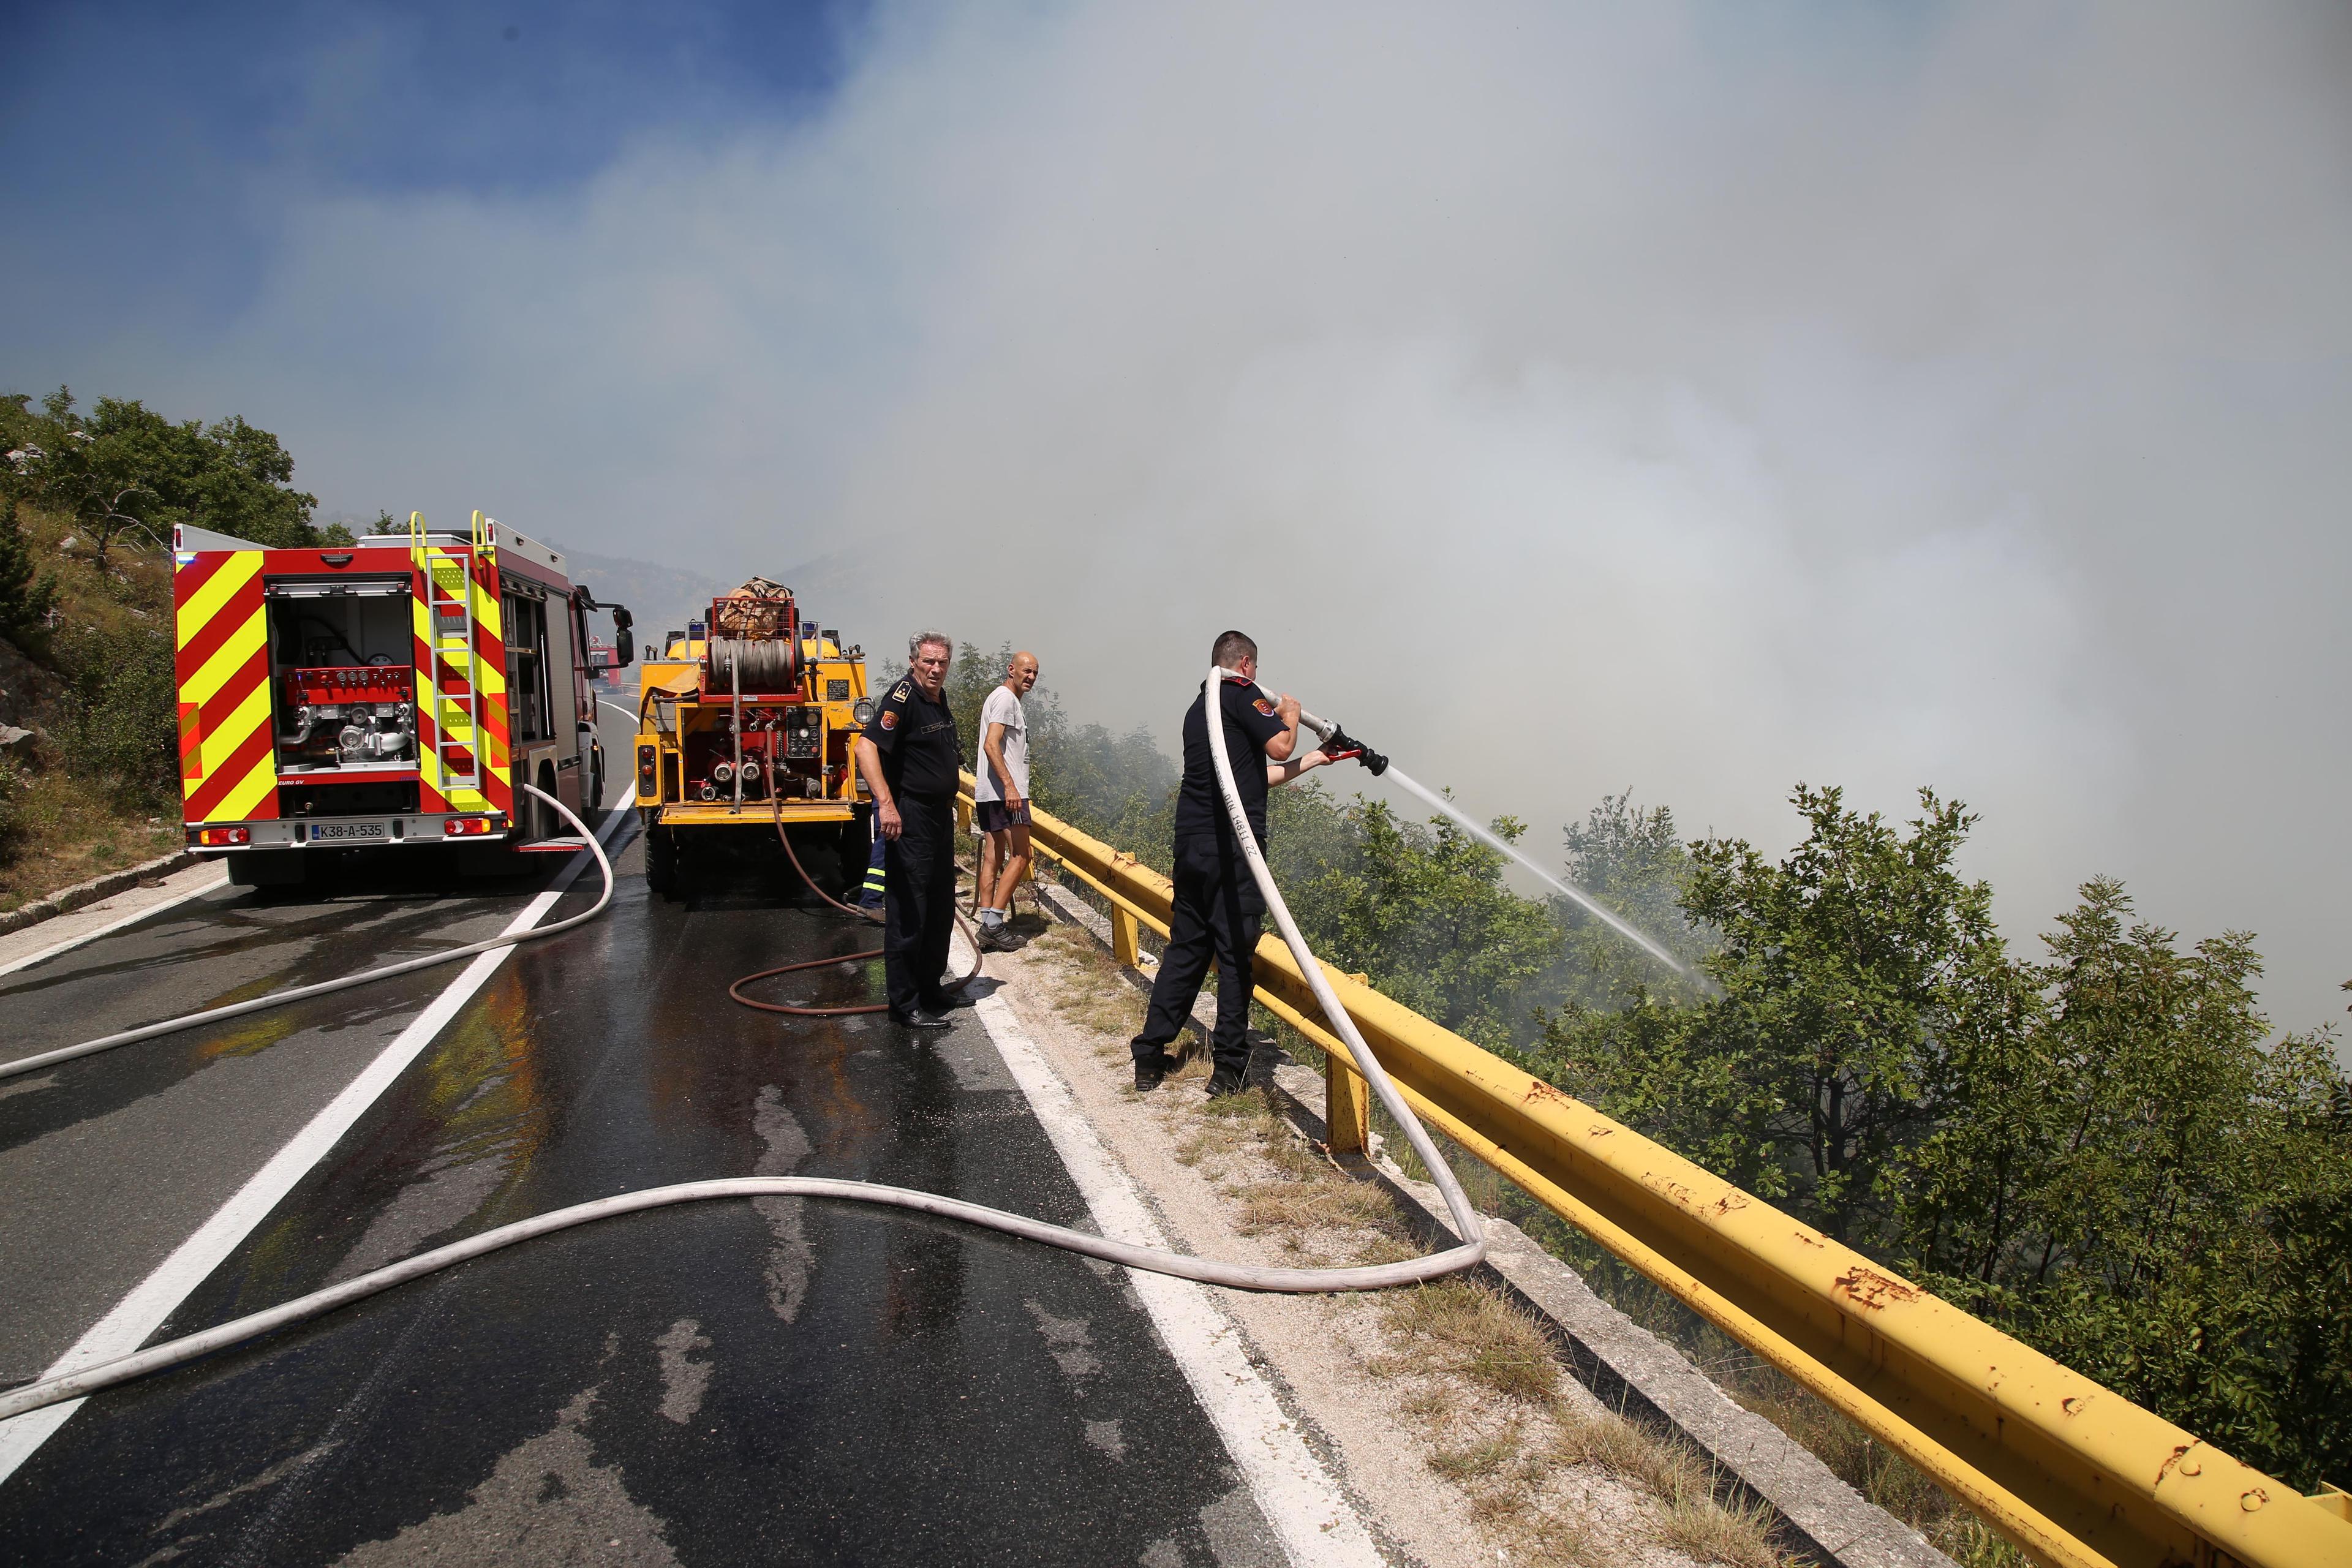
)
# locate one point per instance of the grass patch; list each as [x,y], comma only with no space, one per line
[1697,1524]
[1479,1461]
[1470,1330]
[1333,1203]
[62,831]
[1089,989]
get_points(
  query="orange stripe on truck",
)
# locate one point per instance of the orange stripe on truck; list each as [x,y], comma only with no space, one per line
[192,743]
[255,751]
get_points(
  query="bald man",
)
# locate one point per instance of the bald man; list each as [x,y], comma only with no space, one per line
[1000,801]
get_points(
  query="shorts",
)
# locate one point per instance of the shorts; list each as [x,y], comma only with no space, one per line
[992,818]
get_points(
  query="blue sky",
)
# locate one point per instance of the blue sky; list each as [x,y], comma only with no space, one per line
[152,151]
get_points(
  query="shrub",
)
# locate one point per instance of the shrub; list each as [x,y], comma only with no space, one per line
[11,785]
[117,725]
[25,596]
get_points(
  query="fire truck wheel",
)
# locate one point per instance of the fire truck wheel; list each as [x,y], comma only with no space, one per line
[661,863]
[268,868]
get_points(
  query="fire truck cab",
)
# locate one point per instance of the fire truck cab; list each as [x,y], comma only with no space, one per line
[393,692]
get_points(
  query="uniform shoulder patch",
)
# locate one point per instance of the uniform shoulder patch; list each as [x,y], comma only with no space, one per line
[900,693]
[1262,706]
[889,718]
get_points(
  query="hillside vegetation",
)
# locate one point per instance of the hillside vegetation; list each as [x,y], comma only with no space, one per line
[86,645]
[2103,1149]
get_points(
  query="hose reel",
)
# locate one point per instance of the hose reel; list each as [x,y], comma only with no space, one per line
[765,664]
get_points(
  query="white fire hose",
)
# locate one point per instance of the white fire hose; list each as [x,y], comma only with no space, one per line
[326,988]
[1156,1260]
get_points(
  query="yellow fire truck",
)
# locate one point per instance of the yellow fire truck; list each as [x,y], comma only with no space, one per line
[391,692]
[744,722]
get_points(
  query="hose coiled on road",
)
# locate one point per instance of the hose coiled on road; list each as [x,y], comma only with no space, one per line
[1156,1261]
[327,988]
[860,956]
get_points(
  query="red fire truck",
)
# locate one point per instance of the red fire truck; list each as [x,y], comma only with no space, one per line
[390,692]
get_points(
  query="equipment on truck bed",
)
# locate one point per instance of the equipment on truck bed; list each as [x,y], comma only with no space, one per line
[393,691]
[744,721]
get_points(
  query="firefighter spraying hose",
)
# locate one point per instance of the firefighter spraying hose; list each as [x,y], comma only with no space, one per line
[327,988]
[1471,1250]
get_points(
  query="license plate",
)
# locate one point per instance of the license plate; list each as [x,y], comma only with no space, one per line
[324,830]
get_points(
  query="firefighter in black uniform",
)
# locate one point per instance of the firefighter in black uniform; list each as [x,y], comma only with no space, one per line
[1217,905]
[908,756]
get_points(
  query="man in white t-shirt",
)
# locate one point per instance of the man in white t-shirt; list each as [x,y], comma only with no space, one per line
[1001,799]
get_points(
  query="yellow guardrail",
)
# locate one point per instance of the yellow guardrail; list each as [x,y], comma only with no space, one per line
[2071,1472]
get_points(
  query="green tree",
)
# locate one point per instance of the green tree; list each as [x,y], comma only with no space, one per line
[2134,1180]
[126,472]
[27,593]
[1420,908]
[1634,862]
[1847,969]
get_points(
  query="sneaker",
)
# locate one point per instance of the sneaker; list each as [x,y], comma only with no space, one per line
[1222,1082]
[920,1018]
[995,938]
[1150,1069]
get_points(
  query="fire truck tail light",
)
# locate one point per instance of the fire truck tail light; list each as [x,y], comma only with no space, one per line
[458,827]
[221,837]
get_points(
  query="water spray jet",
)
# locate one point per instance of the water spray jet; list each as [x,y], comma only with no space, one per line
[1324,729]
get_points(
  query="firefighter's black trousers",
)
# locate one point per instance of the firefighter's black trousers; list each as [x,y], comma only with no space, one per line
[1216,914]
[918,900]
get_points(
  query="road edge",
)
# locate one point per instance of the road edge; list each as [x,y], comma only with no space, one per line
[1305,1507]
[65,900]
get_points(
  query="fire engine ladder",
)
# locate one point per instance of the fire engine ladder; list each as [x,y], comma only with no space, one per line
[447,629]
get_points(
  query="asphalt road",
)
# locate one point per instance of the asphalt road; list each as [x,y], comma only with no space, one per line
[778,1381]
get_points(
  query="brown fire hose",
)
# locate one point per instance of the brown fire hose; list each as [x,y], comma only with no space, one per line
[776,802]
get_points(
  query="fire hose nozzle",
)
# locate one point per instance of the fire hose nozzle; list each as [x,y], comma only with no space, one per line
[1338,745]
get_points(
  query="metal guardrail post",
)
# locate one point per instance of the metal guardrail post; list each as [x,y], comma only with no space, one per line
[1347,1108]
[1126,939]
[2071,1472]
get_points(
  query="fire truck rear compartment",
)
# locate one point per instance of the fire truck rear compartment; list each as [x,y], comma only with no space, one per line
[342,679]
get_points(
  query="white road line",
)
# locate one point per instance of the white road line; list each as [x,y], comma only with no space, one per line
[1308,1512]
[138,1315]
[218,877]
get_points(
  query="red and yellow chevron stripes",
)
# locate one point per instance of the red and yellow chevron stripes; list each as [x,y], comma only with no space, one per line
[490,650]
[461,711]
[228,754]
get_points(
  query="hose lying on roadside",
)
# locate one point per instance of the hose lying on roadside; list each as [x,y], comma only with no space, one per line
[1157,1260]
[861,955]
[366,977]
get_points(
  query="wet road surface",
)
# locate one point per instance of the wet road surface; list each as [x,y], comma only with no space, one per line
[731,1383]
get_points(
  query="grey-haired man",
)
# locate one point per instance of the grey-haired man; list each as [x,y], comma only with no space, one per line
[910,758]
